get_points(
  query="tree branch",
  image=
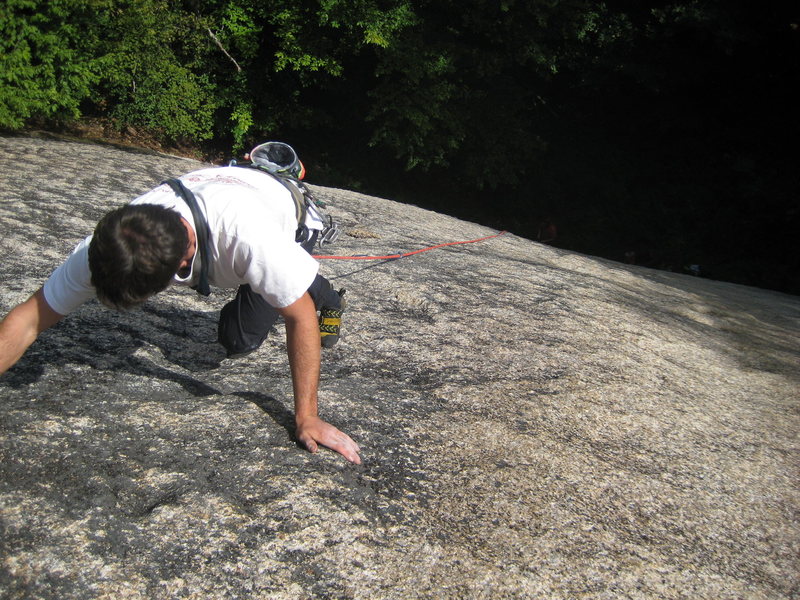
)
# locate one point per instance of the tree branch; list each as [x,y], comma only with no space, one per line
[221,47]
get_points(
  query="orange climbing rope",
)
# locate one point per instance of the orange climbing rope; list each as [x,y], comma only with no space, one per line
[405,254]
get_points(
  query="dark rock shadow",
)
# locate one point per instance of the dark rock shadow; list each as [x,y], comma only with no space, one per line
[108,341]
[272,407]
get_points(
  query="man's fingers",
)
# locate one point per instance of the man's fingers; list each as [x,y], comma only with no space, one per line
[350,455]
[346,447]
[318,432]
[309,443]
[346,440]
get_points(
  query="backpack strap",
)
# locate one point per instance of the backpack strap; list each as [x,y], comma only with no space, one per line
[200,228]
[303,200]
[295,187]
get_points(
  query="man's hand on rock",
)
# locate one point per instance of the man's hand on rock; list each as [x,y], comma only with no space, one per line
[312,431]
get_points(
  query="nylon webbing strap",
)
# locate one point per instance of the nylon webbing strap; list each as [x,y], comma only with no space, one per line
[299,199]
[201,229]
[298,196]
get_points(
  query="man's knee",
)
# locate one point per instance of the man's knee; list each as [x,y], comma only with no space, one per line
[244,322]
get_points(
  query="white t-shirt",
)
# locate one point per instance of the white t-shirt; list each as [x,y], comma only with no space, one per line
[252,223]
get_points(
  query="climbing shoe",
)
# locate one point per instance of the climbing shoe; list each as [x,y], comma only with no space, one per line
[330,323]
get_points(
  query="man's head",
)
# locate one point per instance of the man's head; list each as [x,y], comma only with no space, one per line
[135,252]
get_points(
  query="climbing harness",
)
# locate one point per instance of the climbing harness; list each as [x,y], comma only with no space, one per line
[405,254]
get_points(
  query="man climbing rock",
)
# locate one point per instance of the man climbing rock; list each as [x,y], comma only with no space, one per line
[231,227]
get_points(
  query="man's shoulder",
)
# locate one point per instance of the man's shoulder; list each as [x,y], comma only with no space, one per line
[69,285]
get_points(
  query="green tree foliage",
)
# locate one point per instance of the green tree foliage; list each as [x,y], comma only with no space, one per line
[657,125]
[152,70]
[268,61]
[469,83]
[48,62]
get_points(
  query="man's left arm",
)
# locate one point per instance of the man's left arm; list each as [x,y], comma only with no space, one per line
[304,349]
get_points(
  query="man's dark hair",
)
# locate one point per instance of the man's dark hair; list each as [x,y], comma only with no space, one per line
[135,252]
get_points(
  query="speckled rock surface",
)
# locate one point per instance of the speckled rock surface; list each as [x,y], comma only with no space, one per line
[534,423]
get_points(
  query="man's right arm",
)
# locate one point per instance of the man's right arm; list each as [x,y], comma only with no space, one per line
[22,326]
